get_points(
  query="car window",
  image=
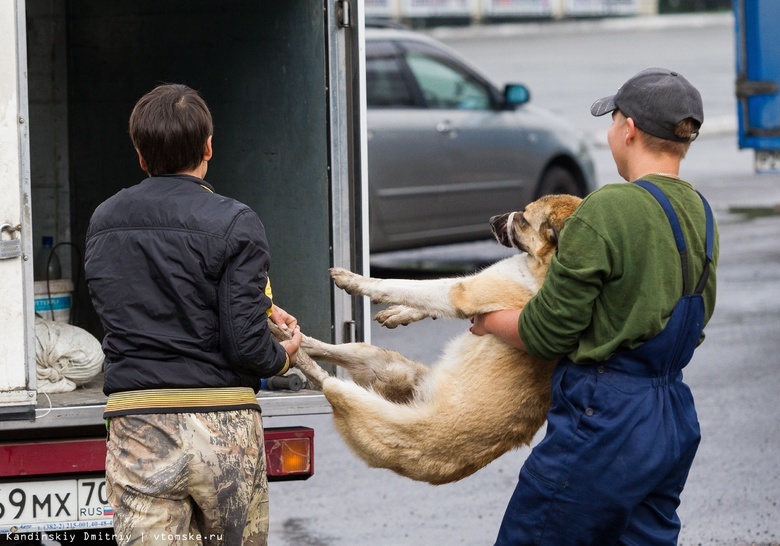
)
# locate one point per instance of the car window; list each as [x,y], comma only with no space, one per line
[385,85]
[443,86]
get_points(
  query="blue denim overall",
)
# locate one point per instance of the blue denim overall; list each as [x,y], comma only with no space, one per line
[621,437]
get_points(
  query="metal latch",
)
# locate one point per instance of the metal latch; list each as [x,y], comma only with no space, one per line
[10,248]
[344,15]
[751,88]
[350,332]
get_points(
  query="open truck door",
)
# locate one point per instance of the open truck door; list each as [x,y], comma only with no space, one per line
[17,344]
[285,82]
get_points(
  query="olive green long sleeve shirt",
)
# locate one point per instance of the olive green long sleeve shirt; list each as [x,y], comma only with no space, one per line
[617,273]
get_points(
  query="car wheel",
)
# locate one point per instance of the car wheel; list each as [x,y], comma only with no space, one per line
[559,180]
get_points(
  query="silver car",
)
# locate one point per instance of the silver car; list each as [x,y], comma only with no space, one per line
[447,149]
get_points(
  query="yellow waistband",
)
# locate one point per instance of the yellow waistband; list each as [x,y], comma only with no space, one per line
[180,400]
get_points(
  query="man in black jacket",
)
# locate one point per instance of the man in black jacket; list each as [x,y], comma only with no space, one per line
[179,277]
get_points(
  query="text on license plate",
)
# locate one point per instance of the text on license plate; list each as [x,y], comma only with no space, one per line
[54,501]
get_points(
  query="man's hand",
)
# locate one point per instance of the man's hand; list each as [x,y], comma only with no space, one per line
[293,344]
[282,318]
[287,322]
[478,326]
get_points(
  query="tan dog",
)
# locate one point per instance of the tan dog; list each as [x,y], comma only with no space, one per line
[481,399]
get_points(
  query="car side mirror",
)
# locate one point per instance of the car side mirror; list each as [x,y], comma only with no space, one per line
[516,94]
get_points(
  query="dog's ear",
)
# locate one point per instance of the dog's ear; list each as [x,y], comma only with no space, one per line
[552,233]
[551,228]
[554,227]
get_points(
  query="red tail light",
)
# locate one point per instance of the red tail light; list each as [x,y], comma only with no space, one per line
[289,453]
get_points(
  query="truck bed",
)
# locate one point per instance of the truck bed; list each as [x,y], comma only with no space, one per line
[83,407]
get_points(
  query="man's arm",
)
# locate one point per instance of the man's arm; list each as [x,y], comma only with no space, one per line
[503,324]
[245,337]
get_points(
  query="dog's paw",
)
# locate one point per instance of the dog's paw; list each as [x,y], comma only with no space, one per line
[357,285]
[399,315]
[347,280]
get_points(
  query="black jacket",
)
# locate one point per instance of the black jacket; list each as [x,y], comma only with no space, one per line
[177,275]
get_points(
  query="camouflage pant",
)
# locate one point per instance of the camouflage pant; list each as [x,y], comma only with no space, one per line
[188,478]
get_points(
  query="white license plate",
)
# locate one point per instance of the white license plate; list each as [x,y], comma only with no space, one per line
[53,501]
[767,161]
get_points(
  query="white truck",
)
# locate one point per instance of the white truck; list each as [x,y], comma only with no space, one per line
[285,84]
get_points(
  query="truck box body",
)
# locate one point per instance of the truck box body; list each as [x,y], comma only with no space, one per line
[283,81]
[758,78]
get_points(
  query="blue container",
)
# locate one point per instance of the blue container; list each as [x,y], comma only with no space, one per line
[758,76]
[57,307]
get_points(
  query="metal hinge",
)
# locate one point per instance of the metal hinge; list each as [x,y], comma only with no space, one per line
[344,14]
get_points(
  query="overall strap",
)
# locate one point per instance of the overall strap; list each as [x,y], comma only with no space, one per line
[709,243]
[680,239]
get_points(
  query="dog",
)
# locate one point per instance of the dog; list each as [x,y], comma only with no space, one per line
[482,398]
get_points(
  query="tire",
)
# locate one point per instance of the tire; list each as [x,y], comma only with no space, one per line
[557,179]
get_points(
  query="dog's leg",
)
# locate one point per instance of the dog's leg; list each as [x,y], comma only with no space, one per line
[310,369]
[492,289]
[388,373]
[488,292]
[429,296]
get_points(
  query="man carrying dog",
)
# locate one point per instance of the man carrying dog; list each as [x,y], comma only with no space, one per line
[623,305]
[179,277]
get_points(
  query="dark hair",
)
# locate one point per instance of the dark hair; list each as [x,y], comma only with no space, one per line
[169,126]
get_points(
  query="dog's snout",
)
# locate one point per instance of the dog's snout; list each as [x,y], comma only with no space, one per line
[499,221]
[500,229]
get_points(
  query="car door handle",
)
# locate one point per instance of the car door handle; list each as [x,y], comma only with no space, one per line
[445,128]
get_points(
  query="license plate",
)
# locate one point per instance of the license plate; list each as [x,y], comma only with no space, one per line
[56,501]
[767,161]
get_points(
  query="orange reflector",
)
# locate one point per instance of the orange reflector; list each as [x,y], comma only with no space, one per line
[295,456]
[289,453]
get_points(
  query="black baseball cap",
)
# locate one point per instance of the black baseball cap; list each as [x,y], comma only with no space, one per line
[657,100]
